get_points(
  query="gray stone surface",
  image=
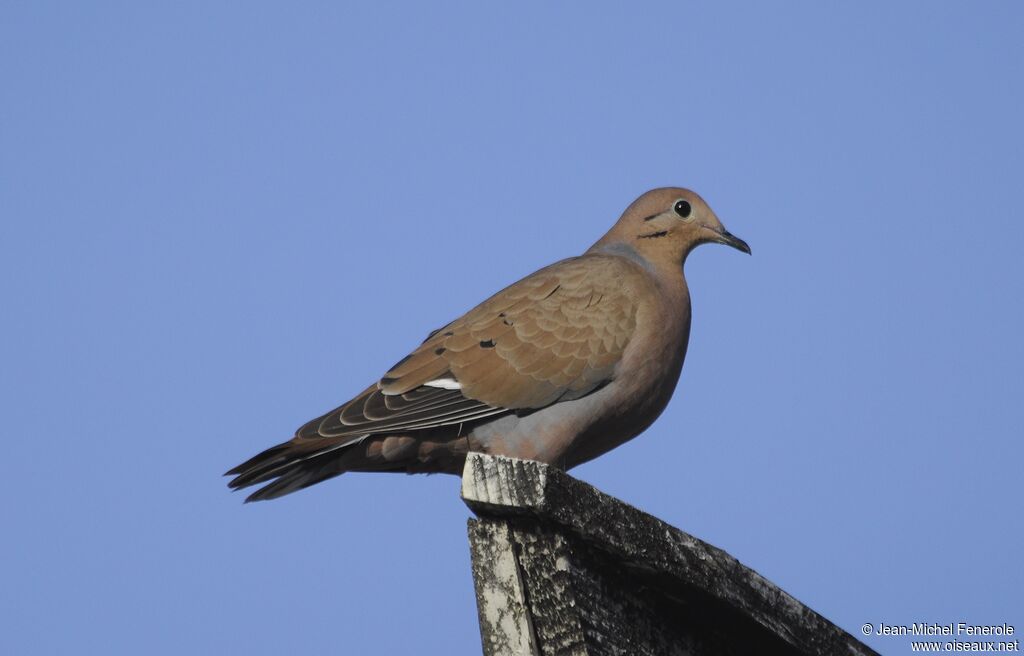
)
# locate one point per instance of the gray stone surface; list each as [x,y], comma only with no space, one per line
[561,568]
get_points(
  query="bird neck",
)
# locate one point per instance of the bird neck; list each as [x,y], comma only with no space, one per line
[621,249]
[667,265]
[667,273]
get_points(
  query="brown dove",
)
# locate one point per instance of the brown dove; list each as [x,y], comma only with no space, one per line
[560,367]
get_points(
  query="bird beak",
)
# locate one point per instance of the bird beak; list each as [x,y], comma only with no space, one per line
[729,239]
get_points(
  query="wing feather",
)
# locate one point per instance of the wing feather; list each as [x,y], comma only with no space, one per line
[557,334]
[563,329]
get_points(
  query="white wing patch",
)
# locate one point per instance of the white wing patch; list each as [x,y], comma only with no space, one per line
[444,383]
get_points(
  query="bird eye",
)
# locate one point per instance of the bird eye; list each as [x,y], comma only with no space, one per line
[682,208]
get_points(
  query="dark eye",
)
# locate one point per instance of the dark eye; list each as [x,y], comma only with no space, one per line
[683,208]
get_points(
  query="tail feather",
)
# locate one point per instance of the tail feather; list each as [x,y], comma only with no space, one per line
[295,464]
[300,475]
[303,461]
[261,461]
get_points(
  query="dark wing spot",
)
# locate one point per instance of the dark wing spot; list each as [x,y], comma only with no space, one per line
[487,343]
[439,350]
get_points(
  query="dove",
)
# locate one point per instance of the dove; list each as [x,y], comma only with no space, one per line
[559,367]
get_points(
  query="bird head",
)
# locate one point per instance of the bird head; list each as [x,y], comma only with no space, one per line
[667,223]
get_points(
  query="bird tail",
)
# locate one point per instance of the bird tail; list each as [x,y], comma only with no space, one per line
[295,464]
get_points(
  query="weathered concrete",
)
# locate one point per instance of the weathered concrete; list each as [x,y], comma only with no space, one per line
[561,568]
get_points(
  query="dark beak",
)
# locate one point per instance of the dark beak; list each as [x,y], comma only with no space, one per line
[729,239]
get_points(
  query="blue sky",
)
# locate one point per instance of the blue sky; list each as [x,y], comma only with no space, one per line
[222,219]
